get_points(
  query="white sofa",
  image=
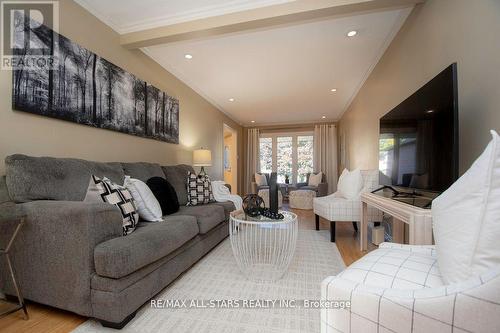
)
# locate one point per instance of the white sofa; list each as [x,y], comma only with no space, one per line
[398,288]
[335,208]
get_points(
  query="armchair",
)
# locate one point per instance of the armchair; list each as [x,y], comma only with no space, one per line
[335,208]
[398,288]
[321,190]
[256,187]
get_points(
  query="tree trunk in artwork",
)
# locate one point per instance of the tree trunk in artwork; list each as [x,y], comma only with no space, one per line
[94,92]
[145,108]
[110,88]
[51,76]
[163,113]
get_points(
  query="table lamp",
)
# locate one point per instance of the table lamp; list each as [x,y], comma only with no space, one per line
[202,158]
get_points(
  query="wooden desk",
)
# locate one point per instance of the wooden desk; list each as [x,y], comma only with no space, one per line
[418,219]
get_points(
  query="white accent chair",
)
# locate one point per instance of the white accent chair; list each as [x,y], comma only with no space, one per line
[398,288]
[335,208]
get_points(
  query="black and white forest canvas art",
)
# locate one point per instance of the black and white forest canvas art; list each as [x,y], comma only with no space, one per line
[85,88]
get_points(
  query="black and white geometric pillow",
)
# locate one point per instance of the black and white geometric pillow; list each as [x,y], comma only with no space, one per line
[119,196]
[199,189]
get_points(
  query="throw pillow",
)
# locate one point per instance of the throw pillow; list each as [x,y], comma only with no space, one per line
[466,219]
[315,180]
[147,205]
[105,190]
[199,190]
[350,184]
[261,180]
[165,194]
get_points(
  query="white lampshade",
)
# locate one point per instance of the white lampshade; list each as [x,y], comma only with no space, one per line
[202,157]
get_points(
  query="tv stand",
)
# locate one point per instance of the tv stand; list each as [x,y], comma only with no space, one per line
[419,220]
[394,191]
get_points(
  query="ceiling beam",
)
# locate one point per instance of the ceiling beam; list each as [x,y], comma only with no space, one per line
[259,18]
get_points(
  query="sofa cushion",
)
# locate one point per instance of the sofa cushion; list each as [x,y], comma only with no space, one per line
[228,208]
[48,178]
[177,176]
[396,266]
[207,216]
[121,256]
[4,194]
[142,170]
[466,219]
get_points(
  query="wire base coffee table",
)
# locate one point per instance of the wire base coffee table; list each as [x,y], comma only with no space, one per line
[263,248]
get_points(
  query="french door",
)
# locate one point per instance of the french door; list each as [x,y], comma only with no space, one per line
[289,154]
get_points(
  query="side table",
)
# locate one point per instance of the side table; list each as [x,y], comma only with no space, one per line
[20,304]
[263,248]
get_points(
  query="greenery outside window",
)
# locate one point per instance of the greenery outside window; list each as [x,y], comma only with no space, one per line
[289,154]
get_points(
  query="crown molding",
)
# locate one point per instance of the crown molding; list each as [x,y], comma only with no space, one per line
[189,15]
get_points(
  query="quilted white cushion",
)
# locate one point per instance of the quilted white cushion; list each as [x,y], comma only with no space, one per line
[466,219]
[147,205]
[350,184]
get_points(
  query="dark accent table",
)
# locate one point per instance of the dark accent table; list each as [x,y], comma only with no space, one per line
[17,223]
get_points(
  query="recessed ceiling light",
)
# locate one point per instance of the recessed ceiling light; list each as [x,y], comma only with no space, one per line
[352,33]
[188,56]
[231,99]
[253,121]
[323,117]
[334,90]
[429,111]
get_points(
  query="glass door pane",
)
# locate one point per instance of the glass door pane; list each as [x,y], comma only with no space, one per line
[266,155]
[284,158]
[305,150]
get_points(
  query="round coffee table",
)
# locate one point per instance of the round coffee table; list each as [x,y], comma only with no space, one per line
[263,248]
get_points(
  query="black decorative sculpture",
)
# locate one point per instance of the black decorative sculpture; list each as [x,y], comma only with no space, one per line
[272,212]
[253,205]
[273,192]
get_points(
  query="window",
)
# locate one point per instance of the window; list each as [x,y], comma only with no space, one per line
[284,158]
[288,154]
[266,154]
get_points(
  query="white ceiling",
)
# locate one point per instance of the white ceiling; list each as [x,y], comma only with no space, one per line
[285,74]
[276,75]
[133,15]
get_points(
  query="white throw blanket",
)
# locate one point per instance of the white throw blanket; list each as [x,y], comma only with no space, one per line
[222,194]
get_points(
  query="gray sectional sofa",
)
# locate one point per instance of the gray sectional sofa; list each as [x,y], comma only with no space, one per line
[71,254]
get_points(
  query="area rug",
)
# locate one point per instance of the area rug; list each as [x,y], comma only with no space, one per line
[215,281]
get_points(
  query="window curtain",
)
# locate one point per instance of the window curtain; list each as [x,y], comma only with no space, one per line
[252,160]
[325,153]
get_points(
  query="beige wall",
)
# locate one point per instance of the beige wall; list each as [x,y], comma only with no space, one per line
[201,124]
[436,34]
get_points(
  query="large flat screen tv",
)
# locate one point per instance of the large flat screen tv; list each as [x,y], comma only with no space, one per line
[418,143]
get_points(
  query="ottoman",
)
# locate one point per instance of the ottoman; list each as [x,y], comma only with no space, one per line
[302,199]
[264,194]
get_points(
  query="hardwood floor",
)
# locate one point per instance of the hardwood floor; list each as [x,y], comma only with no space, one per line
[44,319]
